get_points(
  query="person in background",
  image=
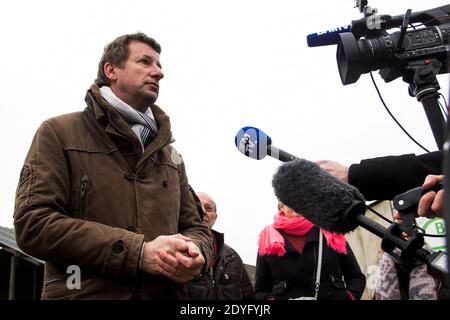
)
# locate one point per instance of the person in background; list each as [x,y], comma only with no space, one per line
[226,277]
[401,280]
[103,192]
[288,256]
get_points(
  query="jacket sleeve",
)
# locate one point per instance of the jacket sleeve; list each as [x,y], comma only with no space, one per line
[263,279]
[42,223]
[385,177]
[354,278]
[190,223]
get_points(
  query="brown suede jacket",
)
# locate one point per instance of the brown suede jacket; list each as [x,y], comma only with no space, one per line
[89,196]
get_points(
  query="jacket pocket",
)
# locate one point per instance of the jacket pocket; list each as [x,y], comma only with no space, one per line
[337,282]
[279,287]
[84,187]
[167,158]
[56,289]
[23,190]
[62,285]
[227,273]
[166,163]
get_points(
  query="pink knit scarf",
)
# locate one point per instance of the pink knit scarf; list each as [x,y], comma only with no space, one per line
[272,242]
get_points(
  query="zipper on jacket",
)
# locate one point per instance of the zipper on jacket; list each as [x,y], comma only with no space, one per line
[211,275]
[83,191]
[214,289]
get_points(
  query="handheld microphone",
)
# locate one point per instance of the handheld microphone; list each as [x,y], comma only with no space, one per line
[256,144]
[336,206]
[326,38]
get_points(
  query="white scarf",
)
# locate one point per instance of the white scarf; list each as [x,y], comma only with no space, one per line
[143,124]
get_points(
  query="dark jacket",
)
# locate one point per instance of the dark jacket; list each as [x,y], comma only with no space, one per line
[89,196]
[385,177]
[293,274]
[228,280]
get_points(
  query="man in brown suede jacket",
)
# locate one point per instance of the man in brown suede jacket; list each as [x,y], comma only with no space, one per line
[103,192]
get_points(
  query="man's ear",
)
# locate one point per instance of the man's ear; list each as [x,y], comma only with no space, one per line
[110,71]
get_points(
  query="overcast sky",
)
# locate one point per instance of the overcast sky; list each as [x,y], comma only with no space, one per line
[227,64]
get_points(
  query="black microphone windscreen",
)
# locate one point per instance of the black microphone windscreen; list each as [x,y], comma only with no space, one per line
[318,196]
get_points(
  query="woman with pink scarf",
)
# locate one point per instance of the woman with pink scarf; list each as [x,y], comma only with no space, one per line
[288,261]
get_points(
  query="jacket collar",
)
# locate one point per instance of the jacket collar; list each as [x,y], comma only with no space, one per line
[311,237]
[105,114]
[220,239]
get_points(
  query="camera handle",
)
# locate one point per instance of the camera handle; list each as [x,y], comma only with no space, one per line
[407,204]
[421,76]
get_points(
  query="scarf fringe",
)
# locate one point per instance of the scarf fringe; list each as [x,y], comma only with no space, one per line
[335,243]
[274,248]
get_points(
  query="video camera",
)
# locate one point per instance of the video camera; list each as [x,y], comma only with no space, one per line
[368,47]
[417,55]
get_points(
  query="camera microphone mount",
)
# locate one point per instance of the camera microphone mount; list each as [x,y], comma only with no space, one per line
[421,76]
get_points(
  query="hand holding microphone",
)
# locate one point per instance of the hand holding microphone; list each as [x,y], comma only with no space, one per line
[335,169]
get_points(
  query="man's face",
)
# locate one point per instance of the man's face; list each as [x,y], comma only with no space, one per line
[137,81]
[209,207]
